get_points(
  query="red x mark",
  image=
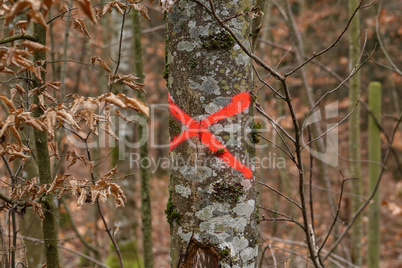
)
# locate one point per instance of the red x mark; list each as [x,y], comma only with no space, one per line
[199,128]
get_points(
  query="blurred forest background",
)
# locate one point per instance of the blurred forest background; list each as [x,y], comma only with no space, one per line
[81,48]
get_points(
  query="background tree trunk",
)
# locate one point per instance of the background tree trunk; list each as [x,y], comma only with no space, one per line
[212,207]
[143,150]
[43,161]
[373,234]
[354,134]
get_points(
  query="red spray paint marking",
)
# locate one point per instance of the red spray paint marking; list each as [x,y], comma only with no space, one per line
[199,128]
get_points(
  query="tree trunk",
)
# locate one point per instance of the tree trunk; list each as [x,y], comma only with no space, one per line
[373,234]
[143,132]
[212,207]
[354,134]
[42,156]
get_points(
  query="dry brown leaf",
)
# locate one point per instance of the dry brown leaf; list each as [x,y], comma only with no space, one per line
[37,123]
[142,9]
[65,117]
[37,209]
[16,134]
[122,116]
[79,25]
[54,149]
[22,24]
[64,9]
[34,46]
[86,8]
[7,101]
[20,89]
[110,173]
[104,65]
[135,104]
[111,98]
[109,131]
[49,97]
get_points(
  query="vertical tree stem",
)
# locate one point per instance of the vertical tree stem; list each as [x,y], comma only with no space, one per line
[354,133]
[42,154]
[373,250]
[143,134]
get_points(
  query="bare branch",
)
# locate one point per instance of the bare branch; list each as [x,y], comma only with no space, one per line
[337,212]
[281,194]
[377,30]
[284,216]
[334,126]
[238,41]
[353,72]
[18,37]
[261,111]
[365,204]
[331,46]
[282,149]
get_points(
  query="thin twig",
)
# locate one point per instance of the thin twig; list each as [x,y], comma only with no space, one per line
[282,149]
[337,212]
[261,111]
[284,216]
[41,241]
[365,204]
[379,38]
[107,228]
[281,194]
[18,37]
[276,92]
[238,41]
[334,126]
[311,183]
[329,47]
[119,52]
[353,72]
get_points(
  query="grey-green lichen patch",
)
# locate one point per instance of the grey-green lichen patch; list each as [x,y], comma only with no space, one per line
[186,46]
[183,191]
[248,253]
[197,31]
[245,208]
[242,59]
[197,173]
[185,236]
[239,244]
[212,108]
[222,101]
[217,128]
[232,128]
[226,223]
[205,214]
[208,85]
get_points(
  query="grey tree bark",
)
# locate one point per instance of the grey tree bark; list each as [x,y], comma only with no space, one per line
[212,207]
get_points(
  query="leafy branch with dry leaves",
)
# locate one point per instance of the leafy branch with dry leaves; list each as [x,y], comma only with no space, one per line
[32,103]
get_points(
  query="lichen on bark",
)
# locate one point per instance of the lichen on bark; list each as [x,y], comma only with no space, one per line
[212,207]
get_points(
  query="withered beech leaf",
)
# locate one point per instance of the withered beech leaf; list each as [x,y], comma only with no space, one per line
[79,25]
[110,173]
[7,101]
[20,89]
[135,104]
[64,9]
[34,46]
[86,8]
[142,9]
[122,116]
[103,64]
